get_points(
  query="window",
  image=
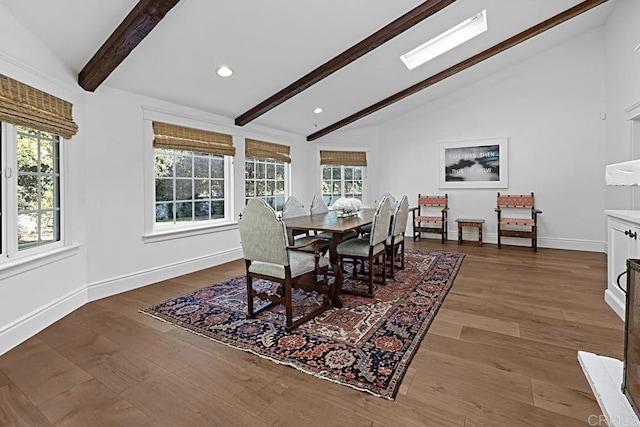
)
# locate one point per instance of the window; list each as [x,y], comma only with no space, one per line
[266,172]
[265,179]
[342,174]
[31,189]
[34,123]
[341,181]
[189,186]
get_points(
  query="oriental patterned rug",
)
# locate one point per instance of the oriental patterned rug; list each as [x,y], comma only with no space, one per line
[366,345]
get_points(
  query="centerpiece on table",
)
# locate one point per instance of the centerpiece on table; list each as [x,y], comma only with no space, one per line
[347,206]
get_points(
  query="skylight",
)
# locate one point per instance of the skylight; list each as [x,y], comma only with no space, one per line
[446,41]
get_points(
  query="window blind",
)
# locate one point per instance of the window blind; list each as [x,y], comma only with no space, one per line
[345,158]
[267,150]
[183,138]
[24,105]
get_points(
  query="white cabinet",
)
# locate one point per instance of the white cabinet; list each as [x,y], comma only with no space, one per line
[623,237]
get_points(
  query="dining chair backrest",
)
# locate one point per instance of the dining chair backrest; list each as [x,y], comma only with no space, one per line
[392,201]
[380,224]
[262,235]
[516,205]
[318,205]
[293,208]
[399,224]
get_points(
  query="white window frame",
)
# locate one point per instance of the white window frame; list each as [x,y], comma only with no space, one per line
[287,181]
[10,193]
[365,169]
[188,224]
[342,186]
[159,232]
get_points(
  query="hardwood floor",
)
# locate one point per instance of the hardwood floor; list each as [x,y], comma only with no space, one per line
[502,351]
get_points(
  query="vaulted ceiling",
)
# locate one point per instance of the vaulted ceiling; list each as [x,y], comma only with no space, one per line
[272,44]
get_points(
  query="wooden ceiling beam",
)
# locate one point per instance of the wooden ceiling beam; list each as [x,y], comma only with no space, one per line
[131,31]
[383,35]
[461,66]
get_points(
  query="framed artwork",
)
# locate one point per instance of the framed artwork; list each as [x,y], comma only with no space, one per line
[481,163]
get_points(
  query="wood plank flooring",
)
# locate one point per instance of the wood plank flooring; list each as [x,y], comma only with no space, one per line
[502,351]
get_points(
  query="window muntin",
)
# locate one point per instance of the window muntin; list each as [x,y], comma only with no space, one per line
[341,181]
[38,188]
[266,179]
[189,187]
[30,190]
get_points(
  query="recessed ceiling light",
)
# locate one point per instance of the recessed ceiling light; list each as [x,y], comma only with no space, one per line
[318,110]
[446,41]
[224,71]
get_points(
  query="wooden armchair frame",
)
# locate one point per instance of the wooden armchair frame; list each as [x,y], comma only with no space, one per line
[530,225]
[433,224]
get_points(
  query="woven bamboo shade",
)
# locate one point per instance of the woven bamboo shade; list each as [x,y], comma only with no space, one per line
[188,139]
[23,105]
[267,150]
[346,158]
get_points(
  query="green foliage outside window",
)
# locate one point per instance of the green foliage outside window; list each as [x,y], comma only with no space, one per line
[265,179]
[189,186]
[341,181]
[38,187]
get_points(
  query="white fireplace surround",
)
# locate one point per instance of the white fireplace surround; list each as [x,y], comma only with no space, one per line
[605,378]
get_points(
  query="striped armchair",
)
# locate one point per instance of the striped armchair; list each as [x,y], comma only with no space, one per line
[431,216]
[514,224]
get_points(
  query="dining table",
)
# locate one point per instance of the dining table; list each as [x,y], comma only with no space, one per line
[338,225]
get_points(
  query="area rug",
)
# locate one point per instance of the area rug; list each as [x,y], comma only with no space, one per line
[367,344]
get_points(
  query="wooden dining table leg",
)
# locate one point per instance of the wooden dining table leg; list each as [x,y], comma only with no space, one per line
[337,271]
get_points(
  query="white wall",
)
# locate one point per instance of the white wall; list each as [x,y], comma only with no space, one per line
[622,79]
[549,107]
[118,258]
[104,201]
[34,294]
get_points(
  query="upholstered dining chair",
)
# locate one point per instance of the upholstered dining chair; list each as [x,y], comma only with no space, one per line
[293,208]
[392,205]
[395,240]
[268,256]
[392,201]
[523,225]
[319,206]
[369,248]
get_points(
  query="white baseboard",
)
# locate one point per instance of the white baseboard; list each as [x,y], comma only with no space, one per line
[116,285]
[543,242]
[27,326]
[615,303]
[572,244]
